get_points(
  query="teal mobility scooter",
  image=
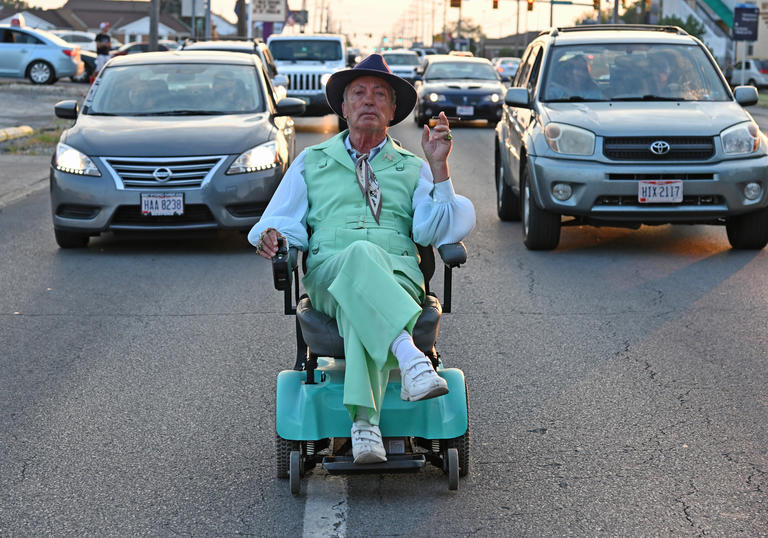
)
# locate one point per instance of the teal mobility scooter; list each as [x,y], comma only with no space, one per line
[313,426]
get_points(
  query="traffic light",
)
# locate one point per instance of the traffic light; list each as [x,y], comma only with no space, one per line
[495,4]
[455,3]
[596,5]
[530,5]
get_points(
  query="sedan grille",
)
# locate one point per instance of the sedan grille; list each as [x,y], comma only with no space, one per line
[163,173]
[680,148]
[305,82]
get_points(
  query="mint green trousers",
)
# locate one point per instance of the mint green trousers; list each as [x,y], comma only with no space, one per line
[372,302]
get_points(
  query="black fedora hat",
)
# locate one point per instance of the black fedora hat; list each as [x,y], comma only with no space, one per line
[375,66]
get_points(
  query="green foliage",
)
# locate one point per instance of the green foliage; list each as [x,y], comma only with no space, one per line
[15,4]
[690,25]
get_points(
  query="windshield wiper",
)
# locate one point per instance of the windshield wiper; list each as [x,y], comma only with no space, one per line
[647,97]
[186,113]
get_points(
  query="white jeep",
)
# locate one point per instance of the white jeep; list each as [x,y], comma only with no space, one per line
[308,61]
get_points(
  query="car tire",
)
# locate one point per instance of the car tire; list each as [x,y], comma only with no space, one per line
[507,202]
[541,229]
[752,82]
[419,119]
[40,72]
[749,231]
[71,239]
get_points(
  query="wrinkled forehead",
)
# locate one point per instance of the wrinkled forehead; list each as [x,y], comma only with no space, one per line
[369,81]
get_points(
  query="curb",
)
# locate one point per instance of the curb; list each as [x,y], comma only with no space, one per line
[15,132]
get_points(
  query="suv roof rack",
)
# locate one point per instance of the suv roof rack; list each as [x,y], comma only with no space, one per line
[612,27]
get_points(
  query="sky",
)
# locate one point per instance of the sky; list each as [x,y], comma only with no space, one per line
[414,17]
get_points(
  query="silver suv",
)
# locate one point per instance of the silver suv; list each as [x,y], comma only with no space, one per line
[628,125]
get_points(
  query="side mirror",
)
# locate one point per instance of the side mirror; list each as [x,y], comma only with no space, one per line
[290,106]
[281,80]
[517,97]
[745,95]
[66,109]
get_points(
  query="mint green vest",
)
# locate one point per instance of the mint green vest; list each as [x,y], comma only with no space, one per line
[338,213]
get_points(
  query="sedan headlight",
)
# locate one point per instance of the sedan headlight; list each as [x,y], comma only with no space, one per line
[71,161]
[741,139]
[569,140]
[494,97]
[434,97]
[262,157]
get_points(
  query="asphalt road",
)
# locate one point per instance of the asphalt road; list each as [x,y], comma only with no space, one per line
[617,384]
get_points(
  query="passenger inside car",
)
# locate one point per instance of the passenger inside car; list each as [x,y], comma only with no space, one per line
[572,79]
[230,94]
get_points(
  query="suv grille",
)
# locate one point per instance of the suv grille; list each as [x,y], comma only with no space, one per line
[181,172]
[304,82]
[681,148]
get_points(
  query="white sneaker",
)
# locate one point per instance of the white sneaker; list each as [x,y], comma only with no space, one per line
[367,446]
[421,382]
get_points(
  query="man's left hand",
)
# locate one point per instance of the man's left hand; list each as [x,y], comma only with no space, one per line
[437,144]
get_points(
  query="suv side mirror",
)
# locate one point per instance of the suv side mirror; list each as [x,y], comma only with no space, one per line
[745,95]
[290,106]
[517,97]
[66,109]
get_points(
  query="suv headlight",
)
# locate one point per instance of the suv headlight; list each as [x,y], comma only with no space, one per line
[741,139]
[71,161]
[261,157]
[569,140]
[324,78]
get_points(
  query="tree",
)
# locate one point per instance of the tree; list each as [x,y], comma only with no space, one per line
[15,4]
[468,30]
[691,25]
[171,7]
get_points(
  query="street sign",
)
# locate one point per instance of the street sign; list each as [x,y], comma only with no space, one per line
[745,19]
[268,10]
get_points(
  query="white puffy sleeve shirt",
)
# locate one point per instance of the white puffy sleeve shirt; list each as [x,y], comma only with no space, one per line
[440,215]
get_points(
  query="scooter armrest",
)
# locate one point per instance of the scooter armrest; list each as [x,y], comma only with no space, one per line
[453,254]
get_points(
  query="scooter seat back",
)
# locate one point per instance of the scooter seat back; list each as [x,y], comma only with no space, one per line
[321,333]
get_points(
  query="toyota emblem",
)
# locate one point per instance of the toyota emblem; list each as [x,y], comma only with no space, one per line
[660,147]
[164,174]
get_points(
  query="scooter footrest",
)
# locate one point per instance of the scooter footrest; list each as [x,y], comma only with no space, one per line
[396,463]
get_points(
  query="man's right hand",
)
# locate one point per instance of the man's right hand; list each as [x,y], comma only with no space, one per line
[267,246]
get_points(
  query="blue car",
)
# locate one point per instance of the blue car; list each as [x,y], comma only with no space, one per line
[40,56]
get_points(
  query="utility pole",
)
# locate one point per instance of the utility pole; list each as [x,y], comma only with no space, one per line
[208,20]
[154,16]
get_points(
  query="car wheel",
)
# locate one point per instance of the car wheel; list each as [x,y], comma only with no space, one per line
[507,203]
[419,119]
[748,232]
[541,229]
[71,239]
[752,82]
[40,72]
[342,123]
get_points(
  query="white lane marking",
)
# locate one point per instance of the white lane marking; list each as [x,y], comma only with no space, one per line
[325,512]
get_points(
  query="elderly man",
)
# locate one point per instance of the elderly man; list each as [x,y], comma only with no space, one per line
[357,203]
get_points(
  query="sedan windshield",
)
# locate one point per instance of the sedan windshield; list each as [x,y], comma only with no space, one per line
[176,89]
[460,70]
[631,72]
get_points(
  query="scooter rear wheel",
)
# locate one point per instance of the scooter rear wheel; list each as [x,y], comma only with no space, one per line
[452,456]
[295,472]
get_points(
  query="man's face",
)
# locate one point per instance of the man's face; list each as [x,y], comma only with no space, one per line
[368,105]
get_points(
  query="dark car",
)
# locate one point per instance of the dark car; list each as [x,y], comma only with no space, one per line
[256,46]
[462,87]
[136,47]
[171,141]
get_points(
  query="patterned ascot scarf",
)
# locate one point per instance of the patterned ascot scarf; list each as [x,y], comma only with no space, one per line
[369,186]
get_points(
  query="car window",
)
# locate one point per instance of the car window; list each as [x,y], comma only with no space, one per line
[629,72]
[460,70]
[521,80]
[23,37]
[533,78]
[306,50]
[401,59]
[177,89]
